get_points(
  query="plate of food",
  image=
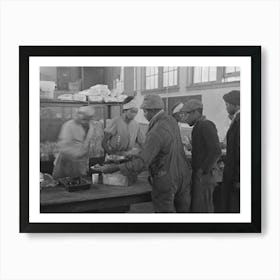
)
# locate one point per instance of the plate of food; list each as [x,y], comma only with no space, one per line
[72,184]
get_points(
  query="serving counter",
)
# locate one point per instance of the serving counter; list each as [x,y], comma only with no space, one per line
[98,198]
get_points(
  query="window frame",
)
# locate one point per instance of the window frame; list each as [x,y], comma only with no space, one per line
[160,89]
[218,83]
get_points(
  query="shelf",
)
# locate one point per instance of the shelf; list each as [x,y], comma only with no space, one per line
[55,102]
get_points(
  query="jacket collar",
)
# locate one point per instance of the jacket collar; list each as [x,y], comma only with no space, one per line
[155,118]
[200,119]
[236,117]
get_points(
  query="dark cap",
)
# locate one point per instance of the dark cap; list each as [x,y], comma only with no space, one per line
[192,105]
[152,101]
[233,97]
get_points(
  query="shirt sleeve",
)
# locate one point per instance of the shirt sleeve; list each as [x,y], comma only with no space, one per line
[151,148]
[211,140]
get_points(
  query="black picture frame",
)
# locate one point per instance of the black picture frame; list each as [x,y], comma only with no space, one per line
[254,52]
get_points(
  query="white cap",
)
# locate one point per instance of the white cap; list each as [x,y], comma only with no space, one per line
[129,105]
[178,108]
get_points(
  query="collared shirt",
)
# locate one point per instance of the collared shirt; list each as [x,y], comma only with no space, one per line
[234,116]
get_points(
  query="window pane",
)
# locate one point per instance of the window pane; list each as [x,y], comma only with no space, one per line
[205,74]
[212,73]
[170,80]
[232,79]
[197,74]
[230,69]
[170,74]
[151,77]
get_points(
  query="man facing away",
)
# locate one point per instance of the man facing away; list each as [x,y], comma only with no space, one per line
[231,176]
[163,155]
[205,153]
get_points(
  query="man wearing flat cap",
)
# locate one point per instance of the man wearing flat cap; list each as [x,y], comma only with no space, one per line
[163,155]
[73,145]
[205,153]
[231,176]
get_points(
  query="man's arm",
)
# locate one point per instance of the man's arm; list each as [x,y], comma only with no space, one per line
[150,149]
[211,140]
[105,140]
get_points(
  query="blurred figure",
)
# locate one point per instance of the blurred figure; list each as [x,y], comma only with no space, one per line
[73,145]
[231,176]
[205,153]
[123,135]
[163,155]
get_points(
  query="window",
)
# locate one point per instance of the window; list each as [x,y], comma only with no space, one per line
[119,83]
[204,74]
[213,75]
[170,76]
[151,77]
[231,74]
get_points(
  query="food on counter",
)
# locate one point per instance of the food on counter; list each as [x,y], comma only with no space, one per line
[75,184]
[47,181]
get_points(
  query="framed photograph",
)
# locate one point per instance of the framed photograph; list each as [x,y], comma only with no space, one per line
[140,139]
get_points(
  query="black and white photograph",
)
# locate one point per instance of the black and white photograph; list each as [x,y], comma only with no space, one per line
[132,138]
[139,140]
[166,136]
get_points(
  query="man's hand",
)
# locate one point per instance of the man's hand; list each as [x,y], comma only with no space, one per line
[110,168]
[107,169]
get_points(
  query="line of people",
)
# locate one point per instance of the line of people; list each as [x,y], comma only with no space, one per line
[177,185]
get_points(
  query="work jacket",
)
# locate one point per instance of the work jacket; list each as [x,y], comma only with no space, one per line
[163,155]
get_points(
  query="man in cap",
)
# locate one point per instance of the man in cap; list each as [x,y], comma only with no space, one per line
[178,115]
[73,145]
[205,154]
[123,135]
[231,176]
[176,111]
[163,155]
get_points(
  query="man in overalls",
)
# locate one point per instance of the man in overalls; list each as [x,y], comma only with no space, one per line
[163,155]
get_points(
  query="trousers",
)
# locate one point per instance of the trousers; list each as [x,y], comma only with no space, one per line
[202,193]
[169,198]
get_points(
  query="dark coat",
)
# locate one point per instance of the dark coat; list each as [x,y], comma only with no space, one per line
[163,154]
[232,160]
[205,145]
